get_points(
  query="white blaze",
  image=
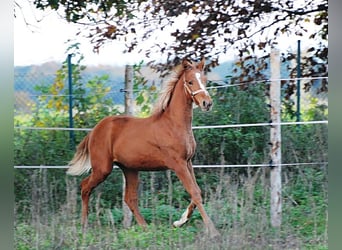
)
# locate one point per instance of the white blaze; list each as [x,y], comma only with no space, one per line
[198,77]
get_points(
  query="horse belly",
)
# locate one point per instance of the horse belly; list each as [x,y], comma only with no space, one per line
[138,154]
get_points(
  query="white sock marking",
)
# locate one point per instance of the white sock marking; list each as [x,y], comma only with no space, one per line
[182,220]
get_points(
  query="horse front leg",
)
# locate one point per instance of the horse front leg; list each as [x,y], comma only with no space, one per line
[185,216]
[186,176]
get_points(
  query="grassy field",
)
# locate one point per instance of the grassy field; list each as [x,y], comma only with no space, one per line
[239,209]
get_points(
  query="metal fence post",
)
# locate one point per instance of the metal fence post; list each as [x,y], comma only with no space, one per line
[71,119]
[299,75]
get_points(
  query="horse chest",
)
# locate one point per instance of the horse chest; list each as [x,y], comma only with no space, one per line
[191,147]
[188,145]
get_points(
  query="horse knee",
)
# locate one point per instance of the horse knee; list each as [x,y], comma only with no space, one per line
[131,202]
[196,196]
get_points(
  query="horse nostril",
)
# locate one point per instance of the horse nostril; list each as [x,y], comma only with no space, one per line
[207,105]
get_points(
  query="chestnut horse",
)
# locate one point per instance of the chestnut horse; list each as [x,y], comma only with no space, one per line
[162,141]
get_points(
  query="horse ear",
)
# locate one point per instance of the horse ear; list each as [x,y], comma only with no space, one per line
[201,64]
[187,64]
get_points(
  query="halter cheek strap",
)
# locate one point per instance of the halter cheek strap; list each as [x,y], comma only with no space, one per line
[192,93]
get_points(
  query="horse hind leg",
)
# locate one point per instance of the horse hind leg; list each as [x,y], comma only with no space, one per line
[131,194]
[98,175]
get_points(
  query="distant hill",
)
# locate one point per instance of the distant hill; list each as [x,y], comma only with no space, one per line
[27,77]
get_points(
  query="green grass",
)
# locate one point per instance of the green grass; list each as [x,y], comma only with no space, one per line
[240,211]
[247,229]
[251,235]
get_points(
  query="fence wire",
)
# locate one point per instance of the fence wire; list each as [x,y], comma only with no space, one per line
[238,126]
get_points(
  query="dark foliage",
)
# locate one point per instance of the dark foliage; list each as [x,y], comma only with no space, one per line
[212,27]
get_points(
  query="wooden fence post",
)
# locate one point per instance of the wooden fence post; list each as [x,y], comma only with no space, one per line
[129,104]
[129,109]
[275,136]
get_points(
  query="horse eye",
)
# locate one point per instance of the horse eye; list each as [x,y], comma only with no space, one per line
[190,82]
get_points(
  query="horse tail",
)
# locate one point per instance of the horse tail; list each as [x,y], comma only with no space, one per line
[80,163]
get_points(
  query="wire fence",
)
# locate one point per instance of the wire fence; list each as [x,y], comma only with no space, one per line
[314,164]
[30,83]
[233,143]
[33,83]
[194,127]
[239,109]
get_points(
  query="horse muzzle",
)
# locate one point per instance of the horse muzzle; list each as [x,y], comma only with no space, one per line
[206,105]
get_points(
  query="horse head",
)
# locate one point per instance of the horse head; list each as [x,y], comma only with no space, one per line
[195,82]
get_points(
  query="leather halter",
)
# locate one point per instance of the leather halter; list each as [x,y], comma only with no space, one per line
[190,92]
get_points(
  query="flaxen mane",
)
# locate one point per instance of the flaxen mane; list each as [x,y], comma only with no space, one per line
[166,94]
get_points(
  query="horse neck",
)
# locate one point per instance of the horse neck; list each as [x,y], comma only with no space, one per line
[180,107]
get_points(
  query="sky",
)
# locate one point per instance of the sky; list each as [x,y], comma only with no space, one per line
[41,37]
[46,40]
